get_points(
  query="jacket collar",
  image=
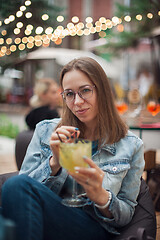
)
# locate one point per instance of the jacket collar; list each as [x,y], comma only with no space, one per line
[111,148]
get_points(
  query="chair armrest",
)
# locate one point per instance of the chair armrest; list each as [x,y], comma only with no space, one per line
[3,178]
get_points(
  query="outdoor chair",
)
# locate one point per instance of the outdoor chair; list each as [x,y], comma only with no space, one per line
[150,162]
[22,141]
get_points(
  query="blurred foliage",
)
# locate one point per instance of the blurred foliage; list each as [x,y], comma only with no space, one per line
[7,128]
[133,30]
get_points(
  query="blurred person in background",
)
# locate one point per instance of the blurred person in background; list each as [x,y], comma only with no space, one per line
[44,102]
[145,81]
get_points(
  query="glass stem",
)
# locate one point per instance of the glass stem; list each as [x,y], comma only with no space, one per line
[74,191]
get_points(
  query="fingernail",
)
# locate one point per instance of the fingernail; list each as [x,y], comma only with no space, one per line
[72,137]
[76,129]
[76,169]
[84,157]
[67,137]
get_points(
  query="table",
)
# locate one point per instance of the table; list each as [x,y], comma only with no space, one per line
[143,128]
[149,133]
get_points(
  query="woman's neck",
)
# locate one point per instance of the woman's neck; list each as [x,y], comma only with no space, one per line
[90,134]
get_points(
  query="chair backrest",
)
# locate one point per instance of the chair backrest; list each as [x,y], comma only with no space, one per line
[150,159]
[22,141]
[143,218]
[3,178]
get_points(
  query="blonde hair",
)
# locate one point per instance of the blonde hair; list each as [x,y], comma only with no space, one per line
[110,127]
[41,87]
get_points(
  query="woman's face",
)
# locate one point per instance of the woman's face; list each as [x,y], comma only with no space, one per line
[51,97]
[86,110]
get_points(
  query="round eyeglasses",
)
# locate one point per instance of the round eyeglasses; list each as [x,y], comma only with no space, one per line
[84,93]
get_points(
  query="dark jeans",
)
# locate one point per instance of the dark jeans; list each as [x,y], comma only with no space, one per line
[39,214]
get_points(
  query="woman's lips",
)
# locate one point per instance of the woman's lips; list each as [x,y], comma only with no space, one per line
[81,111]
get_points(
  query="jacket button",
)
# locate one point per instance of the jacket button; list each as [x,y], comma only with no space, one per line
[114,169]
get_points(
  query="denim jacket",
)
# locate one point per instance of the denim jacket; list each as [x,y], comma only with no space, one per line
[122,162]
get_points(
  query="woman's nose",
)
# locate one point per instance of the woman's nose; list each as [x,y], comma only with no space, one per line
[78,99]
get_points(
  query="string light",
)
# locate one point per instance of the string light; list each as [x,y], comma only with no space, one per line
[24,40]
[127,18]
[45,17]
[1,41]
[28,15]
[86,32]
[89,25]
[102,19]
[38,43]
[6,21]
[104,27]
[75,19]
[21,46]
[27,32]
[8,52]
[19,14]
[49,30]
[22,8]
[30,45]
[60,19]
[9,41]
[30,39]
[19,25]
[120,28]
[29,27]
[92,30]
[13,48]
[27,3]
[3,49]
[17,40]
[39,30]
[37,38]
[81,25]
[4,32]
[139,17]
[115,20]
[102,34]
[150,15]
[73,28]
[98,24]
[89,20]
[16,31]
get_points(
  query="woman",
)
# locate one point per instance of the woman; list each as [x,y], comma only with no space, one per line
[44,102]
[111,183]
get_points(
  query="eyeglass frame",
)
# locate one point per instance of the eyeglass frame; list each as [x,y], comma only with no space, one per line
[77,92]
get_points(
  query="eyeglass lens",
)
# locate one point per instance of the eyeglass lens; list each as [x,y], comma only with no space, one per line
[85,93]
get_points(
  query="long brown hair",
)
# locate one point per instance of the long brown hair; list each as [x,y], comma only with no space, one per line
[110,127]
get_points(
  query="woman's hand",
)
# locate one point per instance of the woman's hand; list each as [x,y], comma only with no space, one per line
[61,134]
[91,179]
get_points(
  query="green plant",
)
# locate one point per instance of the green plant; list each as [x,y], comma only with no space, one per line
[7,128]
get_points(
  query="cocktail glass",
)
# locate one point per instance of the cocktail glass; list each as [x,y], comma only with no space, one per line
[71,156]
[153,107]
[122,107]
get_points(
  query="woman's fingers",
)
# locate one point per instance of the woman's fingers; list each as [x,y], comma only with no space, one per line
[88,174]
[92,164]
[65,132]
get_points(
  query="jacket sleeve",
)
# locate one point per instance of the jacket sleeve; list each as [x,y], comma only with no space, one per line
[123,203]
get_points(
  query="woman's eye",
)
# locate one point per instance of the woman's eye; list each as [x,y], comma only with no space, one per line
[85,90]
[69,94]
